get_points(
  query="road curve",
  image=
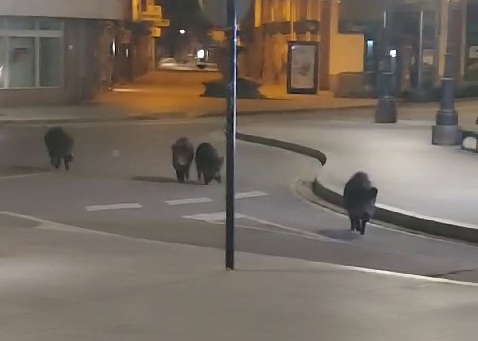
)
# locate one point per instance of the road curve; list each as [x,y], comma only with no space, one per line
[122,182]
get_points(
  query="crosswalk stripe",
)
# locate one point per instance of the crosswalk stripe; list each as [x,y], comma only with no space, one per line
[252,194]
[217,216]
[122,206]
[188,201]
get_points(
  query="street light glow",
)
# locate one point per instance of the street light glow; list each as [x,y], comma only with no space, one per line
[181,31]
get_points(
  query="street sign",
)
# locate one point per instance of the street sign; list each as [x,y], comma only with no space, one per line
[216,10]
[161,22]
[156,32]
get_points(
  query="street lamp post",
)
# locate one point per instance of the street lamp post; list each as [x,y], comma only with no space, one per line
[231,117]
[446,130]
[226,14]
[386,111]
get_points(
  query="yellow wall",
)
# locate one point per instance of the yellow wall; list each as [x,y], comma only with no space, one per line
[443,37]
[346,50]
[346,53]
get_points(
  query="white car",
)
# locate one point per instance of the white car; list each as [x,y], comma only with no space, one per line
[168,62]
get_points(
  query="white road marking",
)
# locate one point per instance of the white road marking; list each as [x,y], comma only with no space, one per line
[425,217]
[115,153]
[219,217]
[296,231]
[253,228]
[71,228]
[52,226]
[188,201]
[287,232]
[253,194]
[401,275]
[6,177]
[123,206]
[209,217]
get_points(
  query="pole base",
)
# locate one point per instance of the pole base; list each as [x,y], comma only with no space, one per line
[386,111]
[446,135]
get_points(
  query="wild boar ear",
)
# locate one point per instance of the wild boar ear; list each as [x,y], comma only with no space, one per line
[373,192]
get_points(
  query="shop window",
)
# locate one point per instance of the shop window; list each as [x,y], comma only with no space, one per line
[22,69]
[21,23]
[3,68]
[31,52]
[50,62]
[49,24]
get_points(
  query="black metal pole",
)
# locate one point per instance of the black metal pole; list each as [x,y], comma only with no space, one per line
[446,130]
[386,111]
[231,134]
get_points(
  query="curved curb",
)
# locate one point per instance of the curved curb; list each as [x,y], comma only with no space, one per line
[296,148]
[389,215]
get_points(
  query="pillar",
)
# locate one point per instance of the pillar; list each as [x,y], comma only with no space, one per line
[329,27]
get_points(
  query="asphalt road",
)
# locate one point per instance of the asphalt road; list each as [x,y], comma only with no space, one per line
[129,164]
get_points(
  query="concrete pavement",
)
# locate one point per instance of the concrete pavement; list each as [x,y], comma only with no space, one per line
[62,283]
[122,182]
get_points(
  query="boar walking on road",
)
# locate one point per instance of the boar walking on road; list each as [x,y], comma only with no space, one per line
[59,145]
[208,163]
[183,155]
[359,201]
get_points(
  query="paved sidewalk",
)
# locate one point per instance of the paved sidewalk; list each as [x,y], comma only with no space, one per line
[410,173]
[178,95]
[173,92]
[68,285]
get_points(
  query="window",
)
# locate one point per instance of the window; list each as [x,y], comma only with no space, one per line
[20,24]
[3,54]
[50,62]
[31,52]
[22,69]
[49,24]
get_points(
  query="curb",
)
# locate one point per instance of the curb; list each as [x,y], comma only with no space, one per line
[178,115]
[288,111]
[136,118]
[389,216]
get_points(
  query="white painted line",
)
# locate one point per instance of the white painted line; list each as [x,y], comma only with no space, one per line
[123,206]
[296,231]
[286,233]
[188,201]
[209,217]
[253,194]
[6,177]
[215,218]
[401,275]
[52,226]
[329,265]
[425,217]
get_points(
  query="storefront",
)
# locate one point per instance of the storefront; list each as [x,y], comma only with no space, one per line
[53,52]
[349,33]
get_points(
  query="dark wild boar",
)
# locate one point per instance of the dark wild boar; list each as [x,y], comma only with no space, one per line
[183,155]
[208,163]
[59,145]
[359,201]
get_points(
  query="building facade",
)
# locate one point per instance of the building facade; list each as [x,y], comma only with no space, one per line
[349,33]
[56,51]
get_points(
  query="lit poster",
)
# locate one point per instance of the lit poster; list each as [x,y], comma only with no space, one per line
[302,67]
